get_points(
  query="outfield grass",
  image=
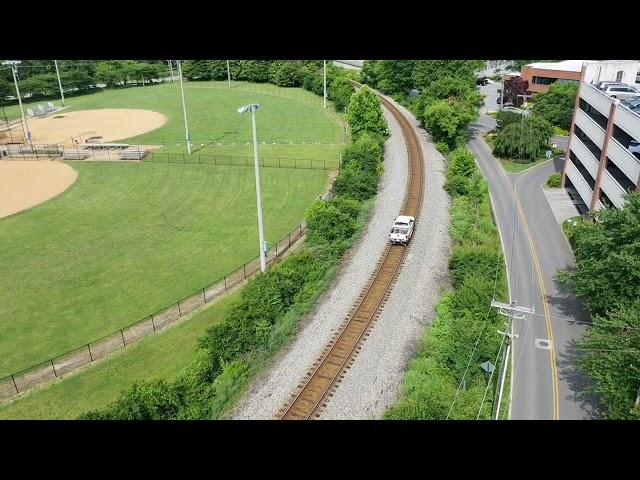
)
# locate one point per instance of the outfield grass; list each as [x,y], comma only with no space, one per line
[286,115]
[127,239]
[163,355]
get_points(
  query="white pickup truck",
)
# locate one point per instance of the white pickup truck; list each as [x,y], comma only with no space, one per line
[402,230]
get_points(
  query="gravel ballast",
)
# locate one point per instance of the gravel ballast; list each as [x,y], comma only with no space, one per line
[375,378]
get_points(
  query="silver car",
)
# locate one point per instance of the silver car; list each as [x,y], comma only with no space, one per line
[621,91]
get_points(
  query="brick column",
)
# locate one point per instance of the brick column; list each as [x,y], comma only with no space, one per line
[603,155]
[573,122]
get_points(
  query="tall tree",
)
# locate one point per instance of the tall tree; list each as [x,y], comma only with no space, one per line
[365,113]
[428,71]
[557,104]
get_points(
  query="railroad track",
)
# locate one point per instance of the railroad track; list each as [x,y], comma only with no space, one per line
[329,369]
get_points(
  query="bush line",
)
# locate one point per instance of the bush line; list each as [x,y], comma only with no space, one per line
[435,373]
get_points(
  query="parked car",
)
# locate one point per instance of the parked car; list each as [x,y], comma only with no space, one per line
[632,103]
[634,147]
[604,84]
[402,230]
[621,91]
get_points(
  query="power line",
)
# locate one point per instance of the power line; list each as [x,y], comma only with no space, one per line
[495,283]
[490,377]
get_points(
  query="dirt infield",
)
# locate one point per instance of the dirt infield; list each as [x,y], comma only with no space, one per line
[108,123]
[24,184]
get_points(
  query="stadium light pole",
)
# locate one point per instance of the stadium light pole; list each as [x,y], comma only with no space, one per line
[263,244]
[228,74]
[170,69]
[59,82]
[25,126]
[324,75]
[184,108]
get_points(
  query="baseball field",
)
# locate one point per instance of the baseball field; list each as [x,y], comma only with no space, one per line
[116,241]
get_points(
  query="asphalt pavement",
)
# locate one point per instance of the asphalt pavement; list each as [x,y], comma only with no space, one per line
[545,381]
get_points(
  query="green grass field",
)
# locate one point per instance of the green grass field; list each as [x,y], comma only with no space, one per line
[517,167]
[163,355]
[291,121]
[127,239]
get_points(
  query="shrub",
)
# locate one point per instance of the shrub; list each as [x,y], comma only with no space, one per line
[474,260]
[554,180]
[365,113]
[331,221]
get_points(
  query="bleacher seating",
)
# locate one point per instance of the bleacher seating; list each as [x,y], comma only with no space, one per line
[132,154]
[76,154]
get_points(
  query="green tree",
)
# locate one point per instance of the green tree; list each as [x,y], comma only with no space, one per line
[340,91]
[286,73]
[506,117]
[428,71]
[110,72]
[608,258]
[196,70]
[557,105]
[365,113]
[447,121]
[45,84]
[611,356]
[524,140]
[454,88]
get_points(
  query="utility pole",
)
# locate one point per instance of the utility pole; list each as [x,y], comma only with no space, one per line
[502,92]
[59,82]
[184,109]
[512,311]
[25,126]
[228,74]
[325,83]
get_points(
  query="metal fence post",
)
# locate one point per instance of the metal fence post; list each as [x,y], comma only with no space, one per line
[179,310]
[153,323]
[54,368]
[225,283]
[14,384]
[289,240]
[124,344]
[244,270]
[204,296]
[90,356]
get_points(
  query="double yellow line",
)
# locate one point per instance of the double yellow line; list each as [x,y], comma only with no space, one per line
[547,314]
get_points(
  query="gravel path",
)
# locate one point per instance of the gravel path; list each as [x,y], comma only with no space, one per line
[375,379]
[271,389]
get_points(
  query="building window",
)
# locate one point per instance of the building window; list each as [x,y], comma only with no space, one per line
[594,114]
[619,175]
[543,80]
[566,80]
[619,76]
[583,171]
[593,148]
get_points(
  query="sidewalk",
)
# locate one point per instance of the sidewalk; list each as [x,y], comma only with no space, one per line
[561,203]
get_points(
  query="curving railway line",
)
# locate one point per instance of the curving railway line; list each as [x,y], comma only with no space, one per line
[318,385]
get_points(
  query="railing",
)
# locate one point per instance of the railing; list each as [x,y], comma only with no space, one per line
[142,154]
[52,368]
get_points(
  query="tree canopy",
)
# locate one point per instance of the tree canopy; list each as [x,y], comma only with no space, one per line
[365,113]
[607,278]
[557,104]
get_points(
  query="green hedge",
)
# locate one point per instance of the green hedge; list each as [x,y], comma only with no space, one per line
[270,306]
[477,268]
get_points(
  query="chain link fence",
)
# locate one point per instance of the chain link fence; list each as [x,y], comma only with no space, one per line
[26,379]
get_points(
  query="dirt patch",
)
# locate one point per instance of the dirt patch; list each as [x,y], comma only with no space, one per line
[24,184]
[108,123]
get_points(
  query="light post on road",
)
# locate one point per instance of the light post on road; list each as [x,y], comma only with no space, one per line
[25,126]
[263,244]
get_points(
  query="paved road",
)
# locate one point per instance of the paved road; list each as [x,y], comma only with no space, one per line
[536,248]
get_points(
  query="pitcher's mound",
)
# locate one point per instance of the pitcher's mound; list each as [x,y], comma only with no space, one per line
[24,184]
[109,123]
